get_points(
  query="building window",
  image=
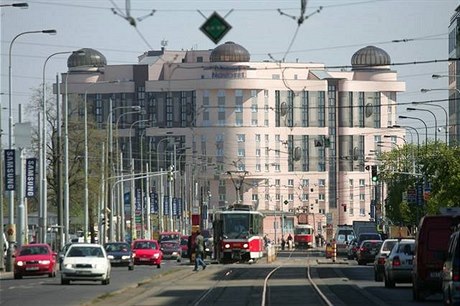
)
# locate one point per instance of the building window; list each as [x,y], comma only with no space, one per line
[258,152]
[291,197]
[241,152]
[362,183]
[321,197]
[254,122]
[277,196]
[258,168]
[277,182]
[362,197]
[241,137]
[305,183]
[290,182]
[255,197]
[257,137]
[305,197]
[321,182]
[362,212]
[350,182]
[277,168]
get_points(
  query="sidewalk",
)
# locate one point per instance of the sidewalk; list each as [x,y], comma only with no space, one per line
[6,275]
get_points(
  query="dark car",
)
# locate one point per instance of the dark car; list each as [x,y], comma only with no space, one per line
[171,250]
[367,251]
[62,252]
[120,254]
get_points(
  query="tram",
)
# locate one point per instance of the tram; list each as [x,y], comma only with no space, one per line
[238,234]
[303,236]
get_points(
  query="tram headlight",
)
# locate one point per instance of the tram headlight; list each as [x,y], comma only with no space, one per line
[245,246]
[227,246]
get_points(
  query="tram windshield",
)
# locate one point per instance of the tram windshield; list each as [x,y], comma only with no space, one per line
[303,231]
[237,226]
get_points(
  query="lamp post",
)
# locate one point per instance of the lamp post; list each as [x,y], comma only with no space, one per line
[9,263]
[86,222]
[158,148]
[411,128]
[446,129]
[435,120]
[20,5]
[136,109]
[43,179]
[426,128]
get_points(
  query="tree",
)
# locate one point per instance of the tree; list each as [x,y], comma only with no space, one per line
[436,166]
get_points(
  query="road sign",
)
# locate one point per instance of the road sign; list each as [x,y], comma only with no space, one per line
[215,27]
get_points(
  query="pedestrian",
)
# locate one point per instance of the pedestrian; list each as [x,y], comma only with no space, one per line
[289,241]
[199,251]
[283,243]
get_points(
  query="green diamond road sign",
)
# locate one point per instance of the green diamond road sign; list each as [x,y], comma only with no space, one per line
[215,27]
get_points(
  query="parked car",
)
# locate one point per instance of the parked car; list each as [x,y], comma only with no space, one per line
[367,251]
[34,259]
[147,252]
[169,236]
[184,246]
[171,250]
[380,258]
[120,254]
[86,262]
[431,245]
[399,264]
[451,271]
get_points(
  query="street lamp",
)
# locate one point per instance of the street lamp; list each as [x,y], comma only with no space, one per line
[10,133]
[446,129]
[43,180]
[20,5]
[158,148]
[435,120]
[408,127]
[426,128]
[86,222]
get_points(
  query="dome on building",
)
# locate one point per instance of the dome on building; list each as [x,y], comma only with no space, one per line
[90,58]
[230,52]
[370,57]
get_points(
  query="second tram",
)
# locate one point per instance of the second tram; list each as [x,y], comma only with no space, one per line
[238,234]
[303,236]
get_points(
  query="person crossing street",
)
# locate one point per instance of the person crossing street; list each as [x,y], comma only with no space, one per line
[199,251]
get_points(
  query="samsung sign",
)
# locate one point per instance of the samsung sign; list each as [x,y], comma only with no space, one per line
[31,164]
[10,170]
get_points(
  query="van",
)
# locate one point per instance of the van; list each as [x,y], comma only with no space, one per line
[431,245]
[451,271]
[343,236]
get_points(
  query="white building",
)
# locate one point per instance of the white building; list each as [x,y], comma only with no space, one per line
[298,133]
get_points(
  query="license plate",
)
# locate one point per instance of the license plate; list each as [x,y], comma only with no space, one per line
[435,274]
[144,259]
[83,272]
[116,261]
[32,269]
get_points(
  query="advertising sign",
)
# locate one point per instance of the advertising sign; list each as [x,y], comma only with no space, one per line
[30,177]
[10,170]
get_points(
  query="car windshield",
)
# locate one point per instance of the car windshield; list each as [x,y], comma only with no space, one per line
[117,247]
[35,250]
[85,252]
[388,245]
[169,237]
[145,245]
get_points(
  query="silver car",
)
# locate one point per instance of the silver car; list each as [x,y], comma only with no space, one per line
[451,272]
[398,265]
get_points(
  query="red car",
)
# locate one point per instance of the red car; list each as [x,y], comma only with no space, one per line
[147,252]
[35,259]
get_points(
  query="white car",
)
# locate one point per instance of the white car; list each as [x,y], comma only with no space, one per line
[399,264]
[85,262]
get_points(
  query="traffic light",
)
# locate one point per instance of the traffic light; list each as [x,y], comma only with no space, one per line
[374,173]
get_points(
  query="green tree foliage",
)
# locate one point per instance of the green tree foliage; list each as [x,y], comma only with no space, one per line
[436,165]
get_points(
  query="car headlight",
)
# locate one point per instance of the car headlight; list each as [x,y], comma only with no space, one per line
[245,246]
[125,257]
[44,262]
[156,255]
[227,246]
[110,257]
[68,266]
[20,263]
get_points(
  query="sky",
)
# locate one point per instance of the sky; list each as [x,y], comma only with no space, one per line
[268,29]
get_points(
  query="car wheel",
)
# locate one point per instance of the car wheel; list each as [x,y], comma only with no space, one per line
[131,267]
[360,262]
[106,281]
[65,281]
[389,283]
[17,276]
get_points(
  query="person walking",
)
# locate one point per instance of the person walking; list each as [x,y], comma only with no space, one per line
[199,251]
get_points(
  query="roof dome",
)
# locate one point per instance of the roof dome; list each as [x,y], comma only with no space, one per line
[370,57]
[90,58]
[230,52]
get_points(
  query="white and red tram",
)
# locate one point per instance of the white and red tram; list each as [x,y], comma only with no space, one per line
[238,234]
[304,236]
